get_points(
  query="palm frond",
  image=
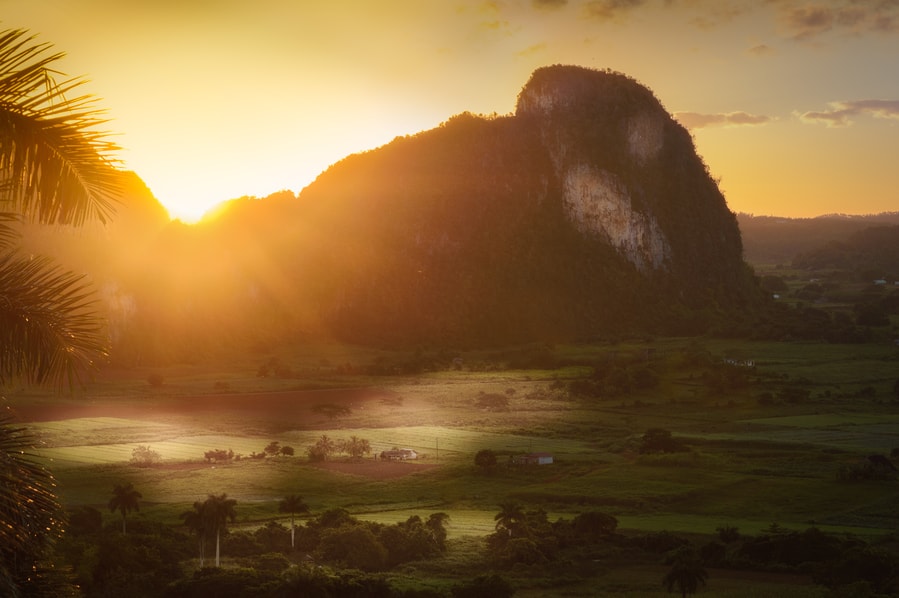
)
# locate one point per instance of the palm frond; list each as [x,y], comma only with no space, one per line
[9,232]
[48,330]
[30,514]
[57,164]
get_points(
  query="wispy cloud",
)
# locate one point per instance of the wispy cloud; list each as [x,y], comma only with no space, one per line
[549,3]
[762,50]
[805,21]
[697,120]
[608,10]
[842,114]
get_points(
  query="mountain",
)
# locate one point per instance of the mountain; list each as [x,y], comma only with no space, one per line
[585,214]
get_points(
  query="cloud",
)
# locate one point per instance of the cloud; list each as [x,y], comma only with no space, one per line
[697,120]
[607,10]
[762,50]
[841,114]
[531,50]
[807,21]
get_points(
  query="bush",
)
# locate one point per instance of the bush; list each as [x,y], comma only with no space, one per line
[659,440]
[144,456]
[485,459]
[484,586]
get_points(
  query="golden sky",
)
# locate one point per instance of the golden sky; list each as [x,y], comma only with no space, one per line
[794,104]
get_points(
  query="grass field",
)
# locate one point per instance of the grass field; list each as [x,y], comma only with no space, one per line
[750,464]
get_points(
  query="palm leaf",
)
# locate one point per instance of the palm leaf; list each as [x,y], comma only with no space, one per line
[30,514]
[8,232]
[48,330]
[53,158]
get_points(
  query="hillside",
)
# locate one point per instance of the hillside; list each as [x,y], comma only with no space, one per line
[585,214]
[775,240]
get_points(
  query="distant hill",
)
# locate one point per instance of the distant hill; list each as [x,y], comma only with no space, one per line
[587,213]
[774,240]
[872,252]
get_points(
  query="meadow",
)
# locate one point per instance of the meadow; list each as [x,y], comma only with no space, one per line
[757,455]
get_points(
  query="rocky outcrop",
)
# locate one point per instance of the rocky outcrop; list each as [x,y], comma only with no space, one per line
[598,202]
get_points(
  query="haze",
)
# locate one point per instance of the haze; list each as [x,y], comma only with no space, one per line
[793,104]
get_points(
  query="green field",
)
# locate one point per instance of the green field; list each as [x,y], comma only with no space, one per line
[749,463]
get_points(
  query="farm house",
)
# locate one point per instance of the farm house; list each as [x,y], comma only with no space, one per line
[399,454]
[533,459]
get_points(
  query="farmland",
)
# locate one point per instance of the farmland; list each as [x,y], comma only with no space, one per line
[757,456]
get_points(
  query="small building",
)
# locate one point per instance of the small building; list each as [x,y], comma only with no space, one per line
[533,459]
[399,455]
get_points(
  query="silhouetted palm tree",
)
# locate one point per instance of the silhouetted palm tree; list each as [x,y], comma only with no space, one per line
[292,504]
[196,522]
[510,518]
[54,169]
[125,499]
[217,511]
[687,572]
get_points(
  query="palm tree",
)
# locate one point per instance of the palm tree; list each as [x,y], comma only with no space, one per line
[195,520]
[292,504]
[510,518]
[217,511]
[54,169]
[687,572]
[124,499]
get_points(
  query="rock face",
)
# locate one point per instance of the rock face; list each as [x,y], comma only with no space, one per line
[598,202]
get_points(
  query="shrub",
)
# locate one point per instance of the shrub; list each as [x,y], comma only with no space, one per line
[484,586]
[144,456]
[659,440]
[485,459]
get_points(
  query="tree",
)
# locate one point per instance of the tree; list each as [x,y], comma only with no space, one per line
[196,522]
[124,499]
[511,518]
[292,504]
[485,459]
[144,456]
[660,440]
[355,447]
[436,524]
[322,449]
[217,511]
[273,448]
[686,573]
[54,169]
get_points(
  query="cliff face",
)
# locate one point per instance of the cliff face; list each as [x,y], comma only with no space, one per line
[598,202]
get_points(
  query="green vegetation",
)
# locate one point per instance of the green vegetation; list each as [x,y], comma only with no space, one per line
[645,468]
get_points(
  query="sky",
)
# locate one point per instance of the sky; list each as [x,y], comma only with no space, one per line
[793,104]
